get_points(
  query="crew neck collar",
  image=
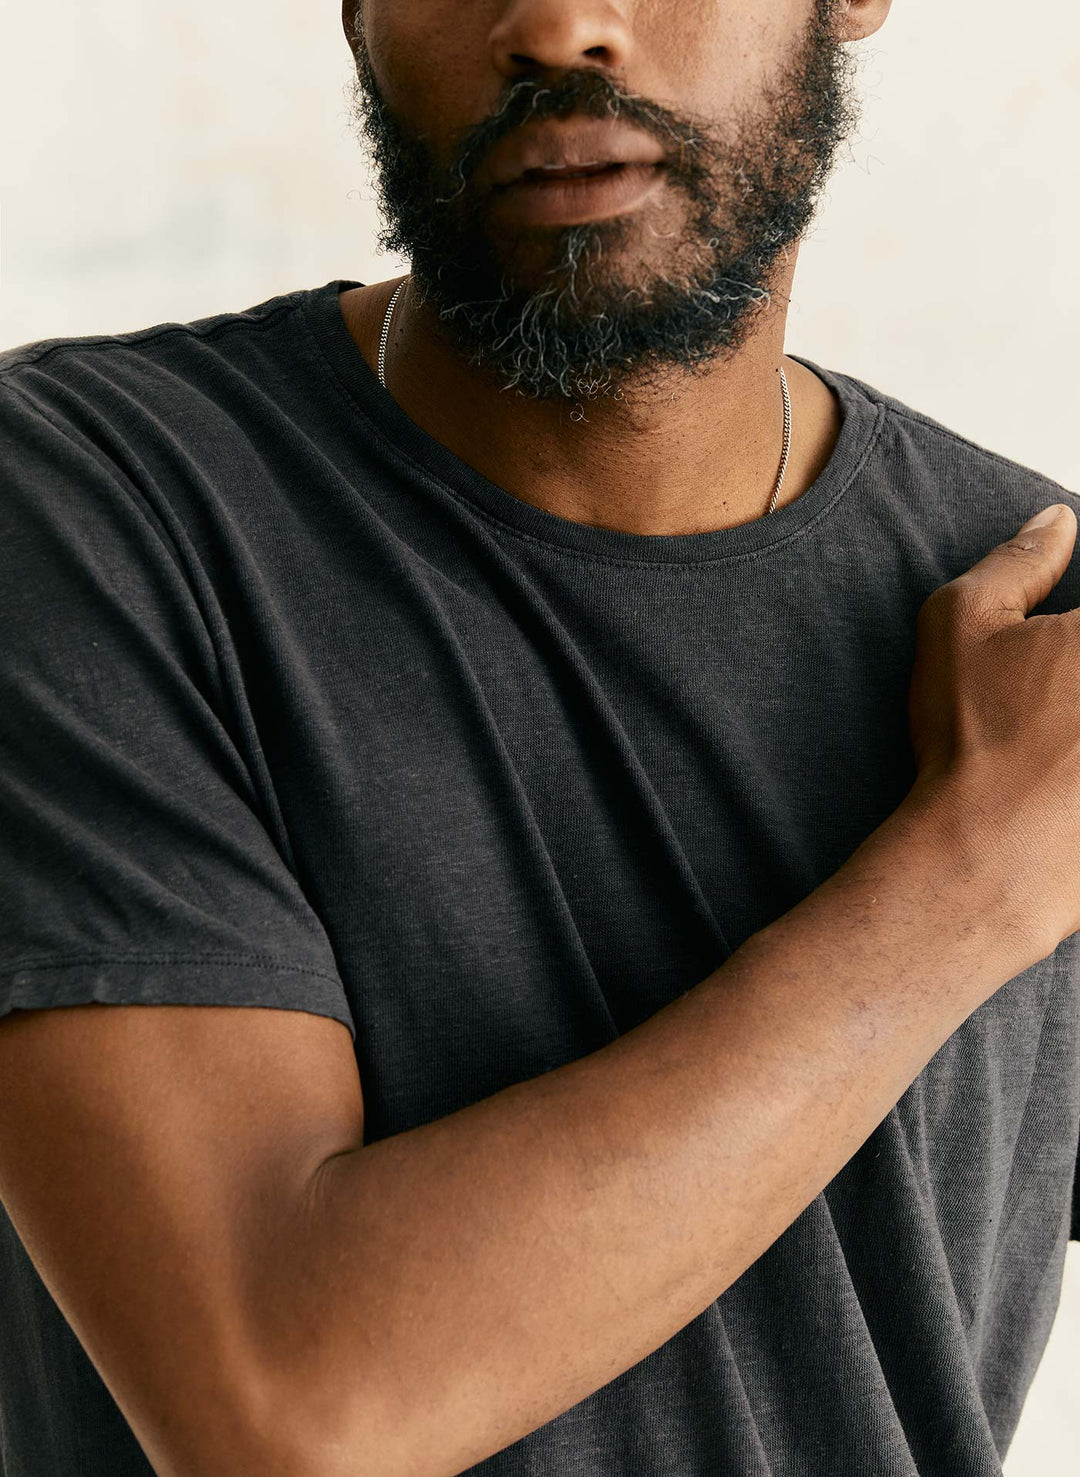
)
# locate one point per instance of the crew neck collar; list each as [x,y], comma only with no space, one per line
[861,418]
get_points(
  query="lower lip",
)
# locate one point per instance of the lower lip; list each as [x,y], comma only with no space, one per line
[590,197]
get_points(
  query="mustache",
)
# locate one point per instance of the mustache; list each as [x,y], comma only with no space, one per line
[568,326]
[585,91]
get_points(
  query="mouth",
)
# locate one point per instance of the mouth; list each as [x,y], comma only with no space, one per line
[546,173]
[572,195]
[559,173]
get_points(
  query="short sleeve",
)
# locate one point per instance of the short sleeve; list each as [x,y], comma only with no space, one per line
[137,862]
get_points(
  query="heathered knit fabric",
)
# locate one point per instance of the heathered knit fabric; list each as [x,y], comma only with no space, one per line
[301,712]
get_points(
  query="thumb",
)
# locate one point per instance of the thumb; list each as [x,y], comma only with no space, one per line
[1020,573]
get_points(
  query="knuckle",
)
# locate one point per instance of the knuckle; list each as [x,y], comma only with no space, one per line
[963,602]
[1023,546]
[951,600]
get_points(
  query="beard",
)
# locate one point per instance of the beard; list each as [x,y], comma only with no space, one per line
[579,312]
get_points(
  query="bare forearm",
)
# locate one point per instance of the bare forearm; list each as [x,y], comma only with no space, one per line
[469,1280]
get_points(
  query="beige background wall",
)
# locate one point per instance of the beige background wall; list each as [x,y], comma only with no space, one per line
[169,162]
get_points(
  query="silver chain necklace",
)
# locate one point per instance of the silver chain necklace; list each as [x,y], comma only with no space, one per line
[783,387]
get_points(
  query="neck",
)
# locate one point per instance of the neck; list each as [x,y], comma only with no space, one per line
[698,454]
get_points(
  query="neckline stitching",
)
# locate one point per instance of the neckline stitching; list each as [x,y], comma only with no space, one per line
[736,555]
[403,460]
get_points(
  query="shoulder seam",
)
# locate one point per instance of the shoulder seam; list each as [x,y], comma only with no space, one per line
[927,423]
[151,335]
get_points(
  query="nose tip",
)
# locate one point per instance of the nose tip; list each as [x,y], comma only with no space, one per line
[555,35]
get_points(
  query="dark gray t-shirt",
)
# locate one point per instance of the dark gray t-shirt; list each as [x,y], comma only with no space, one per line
[302,712]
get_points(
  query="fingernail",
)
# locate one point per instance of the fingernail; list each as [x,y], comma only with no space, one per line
[1046,517]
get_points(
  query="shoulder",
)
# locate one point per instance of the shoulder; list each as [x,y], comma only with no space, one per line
[941,495]
[51,373]
[911,435]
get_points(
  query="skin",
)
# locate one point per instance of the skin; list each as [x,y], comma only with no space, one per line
[634,461]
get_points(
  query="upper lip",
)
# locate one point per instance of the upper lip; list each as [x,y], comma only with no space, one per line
[570,144]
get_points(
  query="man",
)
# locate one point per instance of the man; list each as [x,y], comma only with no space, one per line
[510,663]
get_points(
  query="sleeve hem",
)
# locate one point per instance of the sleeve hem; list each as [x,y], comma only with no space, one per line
[173,979]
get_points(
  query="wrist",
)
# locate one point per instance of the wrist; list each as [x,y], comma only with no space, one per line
[942,834]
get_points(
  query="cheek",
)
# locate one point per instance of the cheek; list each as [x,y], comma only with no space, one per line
[432,61]
[710,61]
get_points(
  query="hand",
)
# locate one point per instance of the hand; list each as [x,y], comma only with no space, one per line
[994,713]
